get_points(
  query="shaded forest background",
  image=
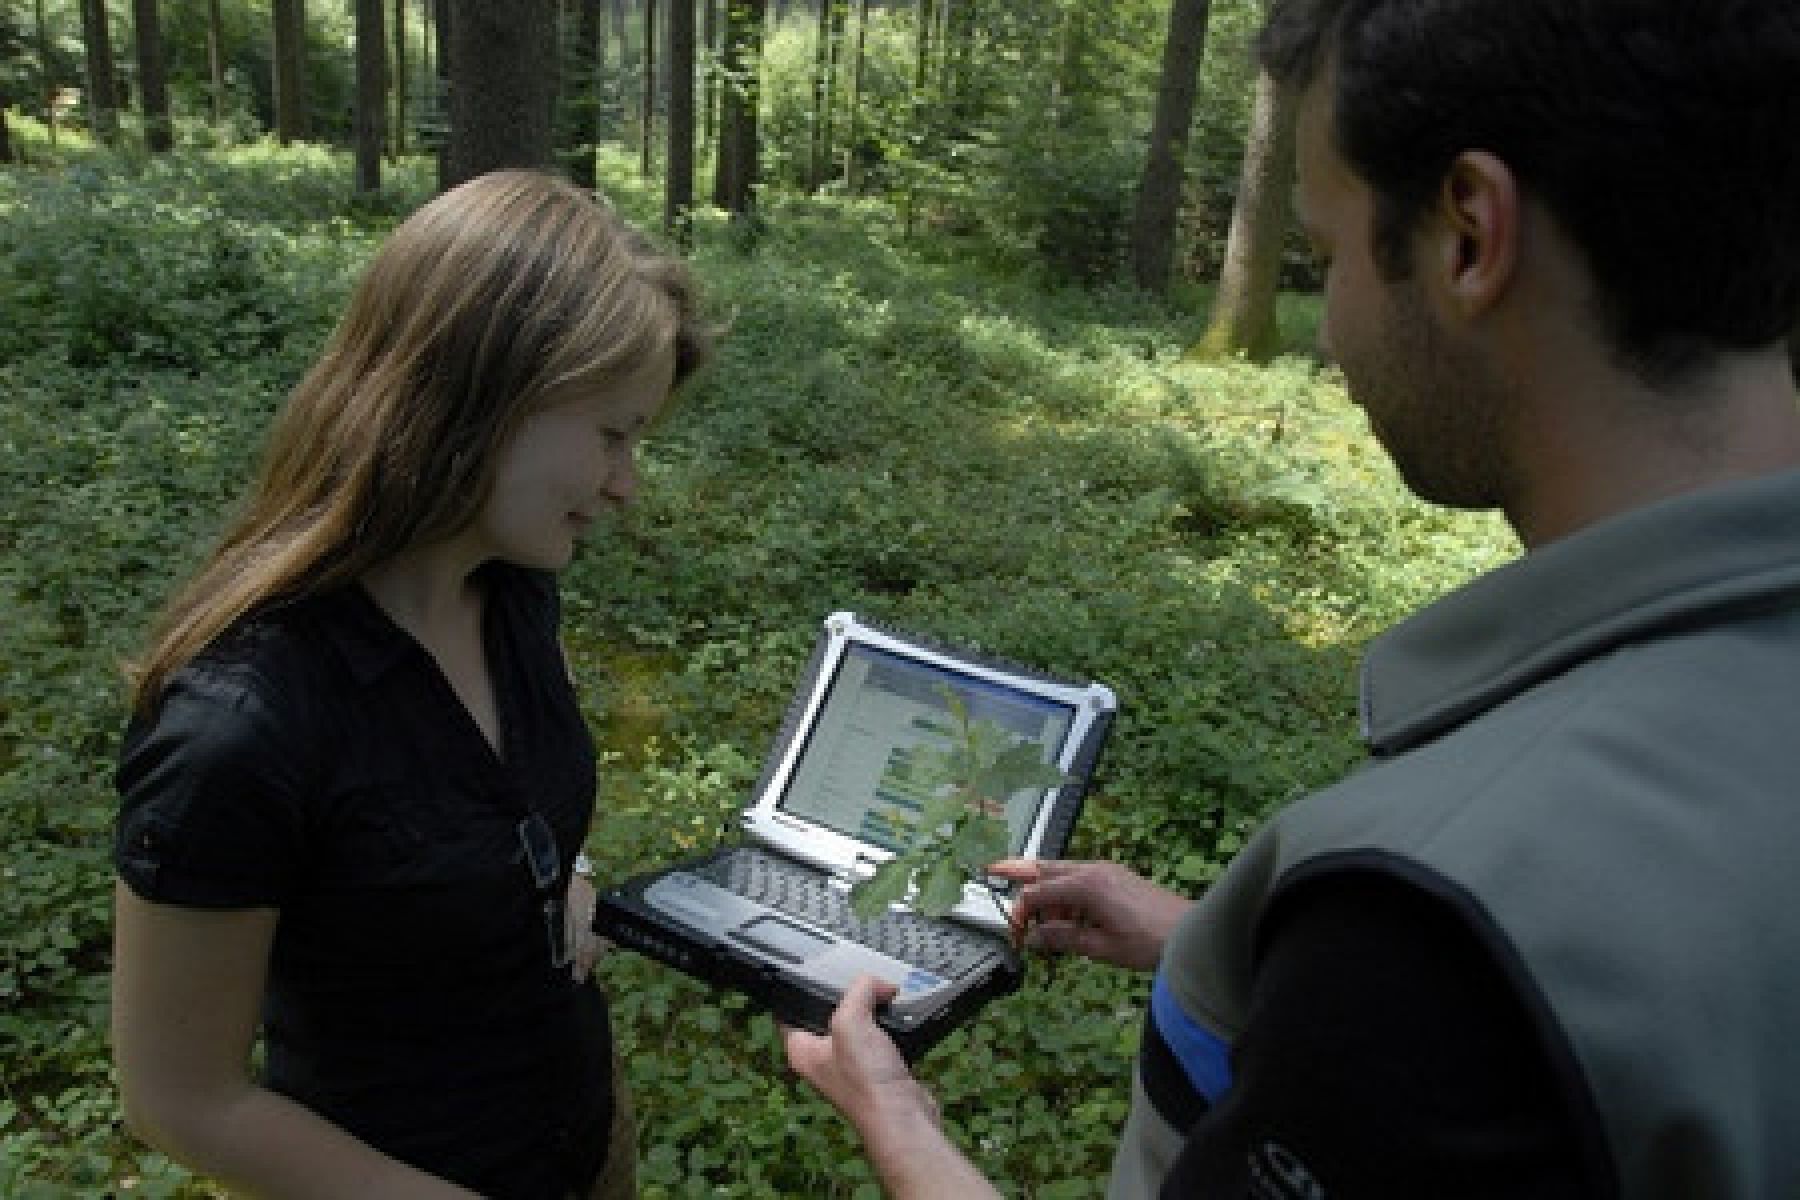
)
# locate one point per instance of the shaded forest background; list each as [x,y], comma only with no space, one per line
[1103,141]
[966,392]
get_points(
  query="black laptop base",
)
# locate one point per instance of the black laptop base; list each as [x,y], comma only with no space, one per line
[627,917]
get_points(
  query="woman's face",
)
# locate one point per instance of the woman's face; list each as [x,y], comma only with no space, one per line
[569,464]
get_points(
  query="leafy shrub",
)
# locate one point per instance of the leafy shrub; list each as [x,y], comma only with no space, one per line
[160,269]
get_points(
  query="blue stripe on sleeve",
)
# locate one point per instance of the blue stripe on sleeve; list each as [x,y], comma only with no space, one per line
[1203,1055]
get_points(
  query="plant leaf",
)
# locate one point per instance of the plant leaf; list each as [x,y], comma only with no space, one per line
[925,766]
[978,842]
[940,810]
[1014,768]
[941,888]
[870,897]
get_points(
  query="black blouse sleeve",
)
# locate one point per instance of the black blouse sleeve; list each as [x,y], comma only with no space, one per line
[1386,1055]
[211,807]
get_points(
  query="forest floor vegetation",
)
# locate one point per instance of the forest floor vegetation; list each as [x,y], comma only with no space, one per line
[909,428]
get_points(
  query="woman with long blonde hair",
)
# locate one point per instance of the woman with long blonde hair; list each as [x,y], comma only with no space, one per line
[356,778]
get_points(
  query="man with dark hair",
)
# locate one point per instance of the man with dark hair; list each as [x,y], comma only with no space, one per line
[1547,943]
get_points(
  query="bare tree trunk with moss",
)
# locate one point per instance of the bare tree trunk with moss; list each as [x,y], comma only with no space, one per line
[647,126]
[678,174]
[371,94]
[502,85]
[1159,190]
[153,86]
[102,76]
[734,183]
[291,124]
[709,92]
[1243,318]
[396,143]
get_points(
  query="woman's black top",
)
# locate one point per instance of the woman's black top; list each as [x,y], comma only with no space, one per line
[316,761]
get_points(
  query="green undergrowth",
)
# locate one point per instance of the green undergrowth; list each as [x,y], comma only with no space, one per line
[911,430]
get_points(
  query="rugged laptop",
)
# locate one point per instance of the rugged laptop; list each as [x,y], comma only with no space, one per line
[770,915]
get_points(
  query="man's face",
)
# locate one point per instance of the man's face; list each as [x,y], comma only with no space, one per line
[1431,401]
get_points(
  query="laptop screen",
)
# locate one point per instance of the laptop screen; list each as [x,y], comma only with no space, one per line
[881,711]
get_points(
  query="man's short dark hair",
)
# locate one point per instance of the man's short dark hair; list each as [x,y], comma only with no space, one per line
[1663,135]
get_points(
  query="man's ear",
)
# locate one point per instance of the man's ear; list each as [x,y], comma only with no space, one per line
[1477,230]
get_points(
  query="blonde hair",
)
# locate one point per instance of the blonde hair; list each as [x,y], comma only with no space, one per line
[481,306]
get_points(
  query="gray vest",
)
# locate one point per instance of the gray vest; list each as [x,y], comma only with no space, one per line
[1594,754]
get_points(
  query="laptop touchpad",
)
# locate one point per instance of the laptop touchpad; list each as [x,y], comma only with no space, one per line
[781,939]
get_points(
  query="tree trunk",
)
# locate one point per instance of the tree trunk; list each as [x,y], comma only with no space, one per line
[7,153]
[647,121]
[709,37]
[678,176]
[1243,320]
[102,78]
[734,184]
[153,87]
[1068,82]
[397,137]
[941,39]
[371,93]
[1159,191]
[291,121]
[439,75]
[959,38]
[819,147]
[215,59]
[428,42]
[581,97]
[502,86]
[922,22]
[853,118]
[46,79]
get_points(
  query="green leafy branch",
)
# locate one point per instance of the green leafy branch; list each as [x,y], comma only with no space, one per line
[961,827]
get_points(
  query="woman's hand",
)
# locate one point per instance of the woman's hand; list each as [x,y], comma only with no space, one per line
[1099,910]
[585,946]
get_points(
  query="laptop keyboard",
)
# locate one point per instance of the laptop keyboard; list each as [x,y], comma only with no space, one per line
[940,947]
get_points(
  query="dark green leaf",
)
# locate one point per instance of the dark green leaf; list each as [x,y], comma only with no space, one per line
[870,897]
[940,888]
[941,810]
[1018,766]
[978,842]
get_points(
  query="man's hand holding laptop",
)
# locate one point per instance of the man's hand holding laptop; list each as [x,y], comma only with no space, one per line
[1098,910]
